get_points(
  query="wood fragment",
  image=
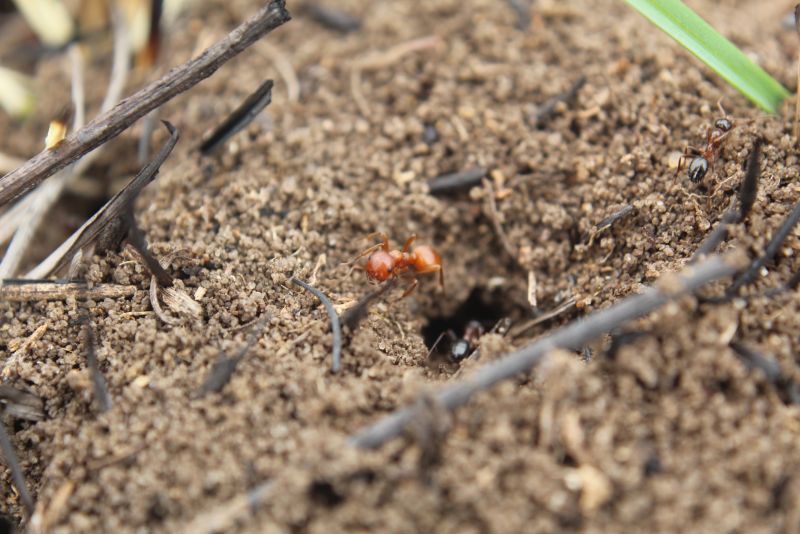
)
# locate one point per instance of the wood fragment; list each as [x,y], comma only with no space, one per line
[332,18]
[771,369]
[609,221]
[353,316]
[101,396]
[572,337]
[21,404]
[494,218]
[111,212]
[223,368]
[522,8]
[110,124]
[336,326]
[548,110]
[796,127]
[47,290]
[239,118]
[770,251]
[555,312]
[156,305]
[225,515]
[447,183]
[17,475]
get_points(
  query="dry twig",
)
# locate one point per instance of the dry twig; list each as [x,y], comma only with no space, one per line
[223,369]
[16,469]
[239,118]
[110,214]
[336,326]
[37,290]
[101,395]
[446,183]
[110,124]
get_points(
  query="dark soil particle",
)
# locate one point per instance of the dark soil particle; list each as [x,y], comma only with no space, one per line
[666,431]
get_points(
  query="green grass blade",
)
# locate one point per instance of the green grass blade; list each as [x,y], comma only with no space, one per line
[697,36]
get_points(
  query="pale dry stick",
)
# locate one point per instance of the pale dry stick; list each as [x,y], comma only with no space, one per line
[101,395]
[494,217]
[379,60]
[111,211]
[573,336]
[546,316]
[34,292]
[284,68]
[17,475]
[796,129]
[110,124]
[225,515]
[38,203]
[43,198]
[336,325]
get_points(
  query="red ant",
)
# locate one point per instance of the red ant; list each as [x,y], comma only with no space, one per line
[383,263]
[702,160]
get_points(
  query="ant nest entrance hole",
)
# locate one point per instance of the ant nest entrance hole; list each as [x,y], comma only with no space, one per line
[482,306]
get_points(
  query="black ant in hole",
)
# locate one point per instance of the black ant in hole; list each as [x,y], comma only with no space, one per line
[701,160]
[465,346]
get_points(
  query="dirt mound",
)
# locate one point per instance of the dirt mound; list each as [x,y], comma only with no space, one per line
[575,117]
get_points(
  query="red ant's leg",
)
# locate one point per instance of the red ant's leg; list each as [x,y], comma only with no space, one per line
[410,240]
[434,269]
[367,252]
[411,288]
[384,239]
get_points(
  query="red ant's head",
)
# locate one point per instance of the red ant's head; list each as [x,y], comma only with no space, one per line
[380,265]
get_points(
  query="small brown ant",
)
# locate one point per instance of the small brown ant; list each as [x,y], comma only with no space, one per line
[383,263]
[465,346]
[703,159]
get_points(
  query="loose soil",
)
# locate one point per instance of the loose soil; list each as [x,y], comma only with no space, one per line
[671,432]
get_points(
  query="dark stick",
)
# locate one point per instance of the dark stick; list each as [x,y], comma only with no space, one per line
[614,217]
[352,317]
[771,369]
[608,222]
[21,404]
[754,360]
[718,234]
[749,188]
[455,181]
[16,470]
[772,248]
[239,119]
[573,336]
[522,8]
[108,125]
[548,109]
[137,240]
[336,326]
[116,207]
[223,369]
[332,18]
[98,381]
[734,213]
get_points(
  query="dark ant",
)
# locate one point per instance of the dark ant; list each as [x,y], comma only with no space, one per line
[463,347]
[703,159]
[383,263]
